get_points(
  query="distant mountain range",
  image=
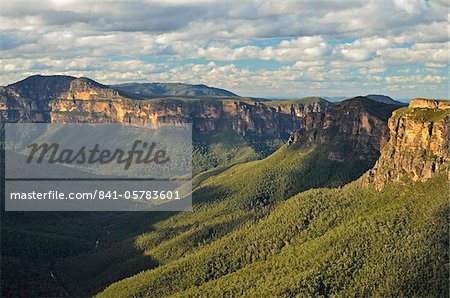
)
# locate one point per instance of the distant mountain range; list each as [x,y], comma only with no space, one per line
[38,85]
[376,97]
[385,99]
[171,89]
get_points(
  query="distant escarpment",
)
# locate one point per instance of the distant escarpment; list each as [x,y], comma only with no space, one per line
[419,145]
[206,115]
[300,107]
[355,129]
[68,99]
[28,99]
[87,89]
[31,98]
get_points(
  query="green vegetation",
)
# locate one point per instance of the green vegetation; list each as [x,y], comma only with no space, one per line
[238,196]
[82,115]
[422,114]
[224,202]
[429,115]
[39,243]
[227,147]
[285,225]
[179,89]
[347,242]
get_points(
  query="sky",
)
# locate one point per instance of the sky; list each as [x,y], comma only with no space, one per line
[262,48]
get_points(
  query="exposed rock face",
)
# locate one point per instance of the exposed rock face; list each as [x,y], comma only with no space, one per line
[206,116]
[87,89]
[68,99]
[353,129]
[419,144]
[27,100]
[301,108]
[34,92]
[429,104]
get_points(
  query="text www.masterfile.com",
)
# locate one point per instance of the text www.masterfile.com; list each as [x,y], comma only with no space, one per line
[98,195]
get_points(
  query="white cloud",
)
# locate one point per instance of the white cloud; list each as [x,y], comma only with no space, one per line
[418,53]
[420,79]
[368,71]
[113,40]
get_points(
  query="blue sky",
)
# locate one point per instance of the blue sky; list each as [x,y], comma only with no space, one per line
[267,48]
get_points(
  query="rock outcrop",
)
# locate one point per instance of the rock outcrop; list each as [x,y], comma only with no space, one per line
[353,129]
[68,99]
[419,145]
[206,116]
[87,89]
[301,107]
[28,99]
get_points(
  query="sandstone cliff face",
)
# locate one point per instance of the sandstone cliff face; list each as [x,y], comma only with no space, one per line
[206,116]
[27,100]
[301,108]
[68,99]
[419,144]
[353,129]
[87,89]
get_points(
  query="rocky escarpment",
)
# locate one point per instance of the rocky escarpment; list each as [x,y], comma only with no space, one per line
[206,115]
[34,93]
[353,129]
[87,89]
[301,107]
[69,99]
[419,145]
[28,99]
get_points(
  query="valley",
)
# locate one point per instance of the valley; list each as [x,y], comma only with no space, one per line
[301,197]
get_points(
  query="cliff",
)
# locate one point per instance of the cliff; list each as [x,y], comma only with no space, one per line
[355,129]
[206,115]
[28,99]
[87,89]
[419,145]
[68,99]
[300,107]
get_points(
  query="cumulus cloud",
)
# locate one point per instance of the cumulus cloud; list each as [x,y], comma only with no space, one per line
[255,47]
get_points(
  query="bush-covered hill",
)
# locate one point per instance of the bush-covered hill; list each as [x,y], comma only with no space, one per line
[227,198]
[225,202]
[325,242]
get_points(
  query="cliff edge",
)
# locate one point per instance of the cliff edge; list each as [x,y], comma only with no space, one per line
[418,147]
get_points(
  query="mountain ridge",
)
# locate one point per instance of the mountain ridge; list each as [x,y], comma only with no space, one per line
[385,99]
[139,90]
[171,89]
